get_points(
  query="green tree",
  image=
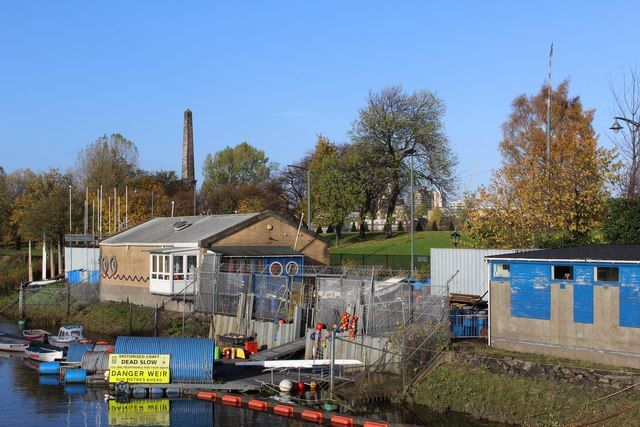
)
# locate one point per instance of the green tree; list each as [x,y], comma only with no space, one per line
[622,222]
[396,122]
[434,226]
[44,207]
[5,204]
[335,195]
[110,161]
[242,164]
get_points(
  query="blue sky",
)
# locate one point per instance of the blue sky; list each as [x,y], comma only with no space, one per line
[275,74]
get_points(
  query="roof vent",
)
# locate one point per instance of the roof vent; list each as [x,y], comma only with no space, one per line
[180,225]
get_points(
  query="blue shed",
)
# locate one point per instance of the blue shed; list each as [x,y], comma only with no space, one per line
[579,302]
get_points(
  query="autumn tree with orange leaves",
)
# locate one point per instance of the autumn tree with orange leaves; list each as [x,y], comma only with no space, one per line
[535,201]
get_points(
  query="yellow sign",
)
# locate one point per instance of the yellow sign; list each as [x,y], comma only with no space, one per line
[139,376]
[141,412]
[139,368]
[138,361]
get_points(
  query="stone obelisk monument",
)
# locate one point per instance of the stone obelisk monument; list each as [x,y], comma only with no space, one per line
[188,174]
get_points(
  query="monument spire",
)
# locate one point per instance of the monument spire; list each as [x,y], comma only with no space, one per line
[188,173]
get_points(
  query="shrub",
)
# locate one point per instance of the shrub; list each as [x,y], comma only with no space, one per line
[353,227]
[419,226]
[330,229]
[434,226]
[400,226]
[319,230]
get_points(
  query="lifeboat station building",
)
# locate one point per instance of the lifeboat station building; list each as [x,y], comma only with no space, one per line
[577,303]
[158,260]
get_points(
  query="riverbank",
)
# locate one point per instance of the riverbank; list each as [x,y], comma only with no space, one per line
[459,386]
[104,318]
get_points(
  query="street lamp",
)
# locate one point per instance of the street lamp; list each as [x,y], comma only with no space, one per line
[69,209]
[615,127]
[455,238]
[411,152]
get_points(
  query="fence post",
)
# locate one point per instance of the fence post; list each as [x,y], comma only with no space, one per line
[68,298]
[333,362]
[155,321]
[130,317]
[21,302]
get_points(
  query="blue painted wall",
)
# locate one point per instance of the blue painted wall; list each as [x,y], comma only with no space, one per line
[530,290]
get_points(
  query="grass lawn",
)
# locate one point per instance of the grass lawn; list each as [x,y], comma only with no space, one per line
[399,244]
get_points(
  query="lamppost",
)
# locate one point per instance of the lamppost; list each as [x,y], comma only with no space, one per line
[308,192]
[615,127]
[455,238]
[411,152]
[69,209]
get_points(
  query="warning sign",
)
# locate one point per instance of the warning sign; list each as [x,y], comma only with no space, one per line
[138,361]
[139,368]
[141,412]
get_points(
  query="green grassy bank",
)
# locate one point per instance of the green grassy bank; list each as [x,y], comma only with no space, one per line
[107,318]
[459,387]
[399,244]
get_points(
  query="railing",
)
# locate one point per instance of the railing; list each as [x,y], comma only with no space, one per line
[395,262]
[468,324]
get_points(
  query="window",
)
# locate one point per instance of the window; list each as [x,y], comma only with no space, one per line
[562,272]
[607,274]
[160,266]
[192,261]
[178,267]
[501,270]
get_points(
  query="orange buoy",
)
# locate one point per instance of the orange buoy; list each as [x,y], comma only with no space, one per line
[338,420]
[309,415]
[285,410]
[258,405]
[232,400]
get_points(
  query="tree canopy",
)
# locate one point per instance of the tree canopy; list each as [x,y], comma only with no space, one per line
[530,196]
[396,122]
[110,161]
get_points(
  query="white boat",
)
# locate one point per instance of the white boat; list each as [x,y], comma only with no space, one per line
[44,354]
[299,363]
[35,334]
[68,334]
[9,343]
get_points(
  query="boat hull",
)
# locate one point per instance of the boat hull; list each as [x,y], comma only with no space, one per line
[13,346]
[37,335]
[48,355]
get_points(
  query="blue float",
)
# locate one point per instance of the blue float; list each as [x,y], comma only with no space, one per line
[49,368]
[75,376]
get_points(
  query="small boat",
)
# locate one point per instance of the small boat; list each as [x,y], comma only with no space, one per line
[44,354]
[8,343]
[35,334]
[68,334]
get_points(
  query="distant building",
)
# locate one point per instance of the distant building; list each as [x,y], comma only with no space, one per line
[577,303]
[436,199]
[457,205]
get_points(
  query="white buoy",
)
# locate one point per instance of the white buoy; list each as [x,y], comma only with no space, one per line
[285,385]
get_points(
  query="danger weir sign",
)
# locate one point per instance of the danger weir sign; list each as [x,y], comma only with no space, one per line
[139,368]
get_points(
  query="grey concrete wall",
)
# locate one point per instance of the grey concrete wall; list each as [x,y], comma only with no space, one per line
[604,341]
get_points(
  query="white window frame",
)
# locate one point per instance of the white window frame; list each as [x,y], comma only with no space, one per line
[495,273]
[595,274]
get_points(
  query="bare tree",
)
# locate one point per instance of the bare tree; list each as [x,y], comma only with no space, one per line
[626,98]
[400,123]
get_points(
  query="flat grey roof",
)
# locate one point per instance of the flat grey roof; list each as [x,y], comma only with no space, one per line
[161,231]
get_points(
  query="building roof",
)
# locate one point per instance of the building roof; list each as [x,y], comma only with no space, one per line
[255,251]
[603,252]
[186,230]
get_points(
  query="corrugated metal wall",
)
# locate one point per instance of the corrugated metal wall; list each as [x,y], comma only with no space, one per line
[472,278]
[268,333]
[367,349]
[81,259]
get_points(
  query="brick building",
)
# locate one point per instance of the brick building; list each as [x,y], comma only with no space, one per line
[149,263]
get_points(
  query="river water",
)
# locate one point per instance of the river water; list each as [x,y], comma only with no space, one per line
[26,399]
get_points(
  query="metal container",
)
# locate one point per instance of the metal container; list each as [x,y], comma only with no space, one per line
[76,350]
[470,265]
[191,358]
[95,361]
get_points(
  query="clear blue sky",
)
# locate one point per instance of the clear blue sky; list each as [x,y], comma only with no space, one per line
[275,74]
